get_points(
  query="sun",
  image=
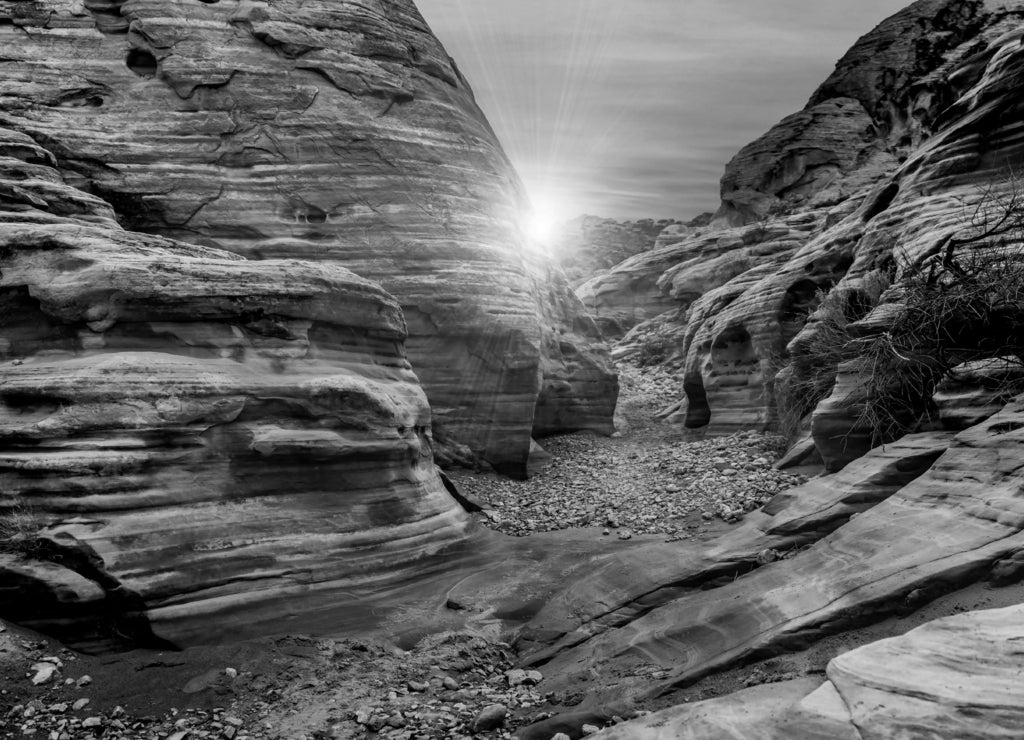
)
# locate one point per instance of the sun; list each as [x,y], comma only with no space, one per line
[543,223]
[541,226]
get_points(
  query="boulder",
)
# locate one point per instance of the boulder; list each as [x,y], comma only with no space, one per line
[333,132]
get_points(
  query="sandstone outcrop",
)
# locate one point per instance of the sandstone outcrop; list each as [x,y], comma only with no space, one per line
[910,133]
[337,132]
[685,266]
[589,244]
[620,587]
[200,439]
[950,679]
[951,526]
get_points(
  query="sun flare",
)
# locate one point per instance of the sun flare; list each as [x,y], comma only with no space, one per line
[544,221]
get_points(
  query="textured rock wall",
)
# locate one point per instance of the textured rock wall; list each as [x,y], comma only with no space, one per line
[326,131]
[588,245]
[201,437]
[878,105]
[918,118]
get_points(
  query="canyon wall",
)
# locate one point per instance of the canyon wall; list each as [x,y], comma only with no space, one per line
[336,132]
[912,131]
[199,438]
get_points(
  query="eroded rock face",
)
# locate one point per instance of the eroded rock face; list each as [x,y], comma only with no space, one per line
[876,107]
[951,526]
[952,678]
[589,244]
[198,435]
[325,131]
[867,180]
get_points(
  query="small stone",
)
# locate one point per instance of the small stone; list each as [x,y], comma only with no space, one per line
[396,720]
[590,729]
[490,718]
[83,681]
[418,687]
[767,556]
[560,736]
[516,677]
[180,735]
[363,715]
[606,532]
[44,673]
[450,683]
[231,673]
[80,704]
[92,722]
[625,535]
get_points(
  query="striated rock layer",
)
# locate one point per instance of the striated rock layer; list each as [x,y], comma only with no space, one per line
[325,131]
[950,679]
[889,533]
[201,438]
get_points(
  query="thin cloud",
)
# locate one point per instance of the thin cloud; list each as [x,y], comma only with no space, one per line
[632,110]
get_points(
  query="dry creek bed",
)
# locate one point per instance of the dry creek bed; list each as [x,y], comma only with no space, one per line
[646,480]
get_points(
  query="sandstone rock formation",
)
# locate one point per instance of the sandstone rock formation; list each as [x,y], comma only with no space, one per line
[589,244]
[690,614]
[950,679]
[917,128]
[912,130]
[202,439]
[327,131]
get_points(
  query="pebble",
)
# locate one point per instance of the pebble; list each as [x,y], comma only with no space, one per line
[590,729]
[490,718]
[44,673]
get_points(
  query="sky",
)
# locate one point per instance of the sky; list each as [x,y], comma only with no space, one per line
[631,108]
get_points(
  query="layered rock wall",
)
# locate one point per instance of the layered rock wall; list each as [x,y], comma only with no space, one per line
[203,440]
[326,131]
[916,127]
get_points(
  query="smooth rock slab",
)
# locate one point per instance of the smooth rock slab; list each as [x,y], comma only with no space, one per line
[951,679]
[944,529]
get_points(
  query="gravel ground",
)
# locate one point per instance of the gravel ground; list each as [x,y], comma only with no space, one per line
[647,479]
[454,685]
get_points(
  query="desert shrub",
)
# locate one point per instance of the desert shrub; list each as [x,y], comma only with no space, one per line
[956,308]
[654,349]
[18,527]
[811,373]
[962,301]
